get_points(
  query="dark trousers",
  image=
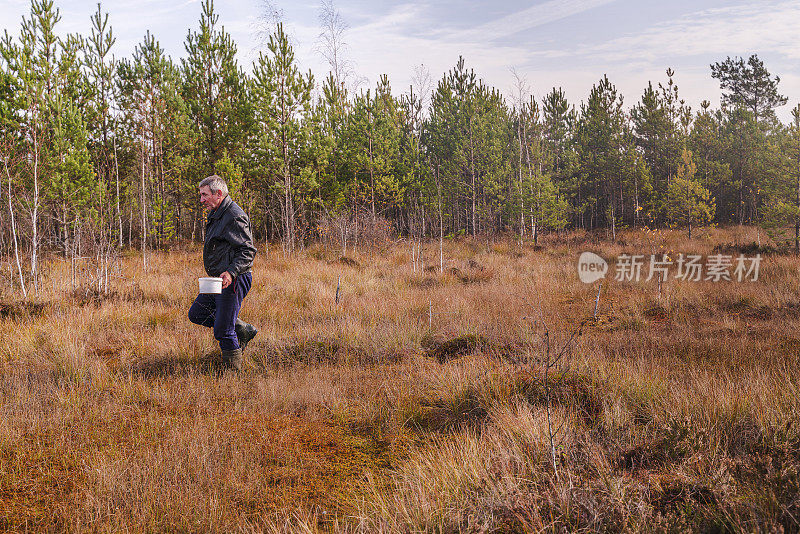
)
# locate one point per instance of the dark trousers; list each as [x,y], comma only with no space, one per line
[221,311]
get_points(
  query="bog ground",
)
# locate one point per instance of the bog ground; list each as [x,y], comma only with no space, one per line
[417,402]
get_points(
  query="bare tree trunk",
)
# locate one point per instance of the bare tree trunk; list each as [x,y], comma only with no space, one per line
[441,223]
[636,198]
[287,178]
[143,200]
[741,205]
[521,210]
[534,215]
[14,233]
[521,196]
[371,168]
[35,217]
[288,215]
[472,168]
[424,228]
[613,222]
[797,221]
[162,174]
[521,88]
[689,210]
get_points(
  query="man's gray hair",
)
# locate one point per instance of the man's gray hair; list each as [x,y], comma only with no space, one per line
[214,183]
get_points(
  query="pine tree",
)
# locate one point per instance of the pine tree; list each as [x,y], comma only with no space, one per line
[373,138]
[215,92]
[36,68]
[745,141]
[559,121]
[70,187]
[100,121]
[492,143]
[282,102]
[599,136]
[750,96]
[469,136]
[456,97]
[782,206]
[710,144]
[157,119]
[660,125]
[558,126]
[688,202]
[412,170]
[439,139]
[749,85]
[332,109]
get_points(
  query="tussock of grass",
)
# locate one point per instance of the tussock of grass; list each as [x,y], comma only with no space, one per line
[22,310]
[350,262]
[453,348]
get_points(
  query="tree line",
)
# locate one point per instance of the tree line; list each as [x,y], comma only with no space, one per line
[100,153]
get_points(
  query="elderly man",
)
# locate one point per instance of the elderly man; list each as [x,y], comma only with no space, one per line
[227,253]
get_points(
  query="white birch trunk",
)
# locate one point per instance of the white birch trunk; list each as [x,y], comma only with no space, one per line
[14,234]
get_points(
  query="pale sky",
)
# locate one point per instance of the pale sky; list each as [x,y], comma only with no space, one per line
[568,43]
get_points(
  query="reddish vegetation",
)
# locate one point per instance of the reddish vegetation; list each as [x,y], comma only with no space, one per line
[416,403]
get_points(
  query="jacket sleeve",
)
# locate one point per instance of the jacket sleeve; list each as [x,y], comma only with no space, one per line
[240,237]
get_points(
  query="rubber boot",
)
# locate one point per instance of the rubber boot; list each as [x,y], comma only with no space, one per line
[232,358]
[244,332]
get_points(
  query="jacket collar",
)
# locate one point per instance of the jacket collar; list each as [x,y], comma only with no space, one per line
[222,208]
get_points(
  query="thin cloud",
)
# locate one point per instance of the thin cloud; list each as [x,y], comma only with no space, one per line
[722,31]
[400,47]
[529,18]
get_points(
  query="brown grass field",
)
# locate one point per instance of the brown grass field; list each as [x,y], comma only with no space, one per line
[417,403]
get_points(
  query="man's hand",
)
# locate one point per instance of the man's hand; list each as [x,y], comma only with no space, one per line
[227,279]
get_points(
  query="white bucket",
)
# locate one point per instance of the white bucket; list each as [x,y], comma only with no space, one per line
[210,285]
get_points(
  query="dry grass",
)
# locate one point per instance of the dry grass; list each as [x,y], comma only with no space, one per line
[417,403]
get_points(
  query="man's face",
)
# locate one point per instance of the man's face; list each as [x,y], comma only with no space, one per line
[210,200]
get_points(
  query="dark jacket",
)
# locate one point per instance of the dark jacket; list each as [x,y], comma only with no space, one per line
[229,240]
